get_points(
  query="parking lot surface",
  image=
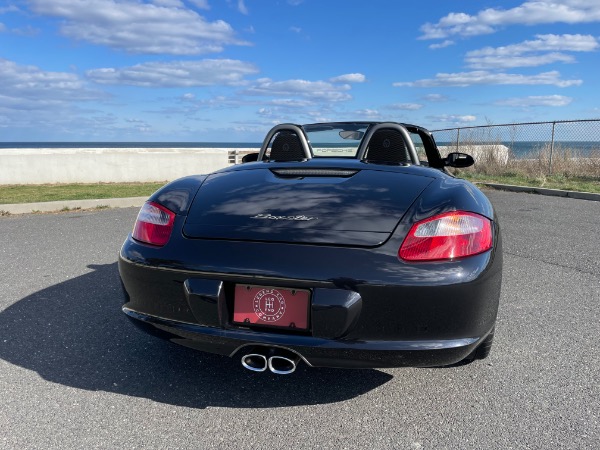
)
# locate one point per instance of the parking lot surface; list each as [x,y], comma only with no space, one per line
[75,373]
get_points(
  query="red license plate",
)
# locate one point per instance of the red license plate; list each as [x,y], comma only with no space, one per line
[271,306]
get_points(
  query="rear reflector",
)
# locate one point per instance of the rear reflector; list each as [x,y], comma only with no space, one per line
[154,224]
[446,236]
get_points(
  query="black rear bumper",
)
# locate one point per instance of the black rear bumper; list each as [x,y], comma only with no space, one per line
[353,323]
[315,352]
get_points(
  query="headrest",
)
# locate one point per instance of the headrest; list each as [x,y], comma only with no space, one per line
[287,147]
[387,145]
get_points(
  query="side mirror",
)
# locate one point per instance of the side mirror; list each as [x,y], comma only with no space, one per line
[459,160]
[250,157]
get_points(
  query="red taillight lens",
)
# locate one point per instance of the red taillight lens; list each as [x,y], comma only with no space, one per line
[447,236]
[154,224]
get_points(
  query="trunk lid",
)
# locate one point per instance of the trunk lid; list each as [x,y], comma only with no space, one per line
[360,209]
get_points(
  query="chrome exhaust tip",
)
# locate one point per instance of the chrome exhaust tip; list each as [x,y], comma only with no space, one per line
[283,365]
[255,362]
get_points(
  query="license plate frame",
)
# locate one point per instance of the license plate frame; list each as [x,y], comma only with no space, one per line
[271,306]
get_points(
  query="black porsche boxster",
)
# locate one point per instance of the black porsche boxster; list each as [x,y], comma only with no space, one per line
[338,244]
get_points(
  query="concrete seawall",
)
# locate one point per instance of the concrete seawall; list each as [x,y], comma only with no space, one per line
[92,165]
[481,153]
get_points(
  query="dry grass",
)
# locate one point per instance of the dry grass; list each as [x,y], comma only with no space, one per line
[568,169]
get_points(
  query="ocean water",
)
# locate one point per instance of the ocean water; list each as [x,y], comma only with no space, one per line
[130,145]
[519,149]
[523,149]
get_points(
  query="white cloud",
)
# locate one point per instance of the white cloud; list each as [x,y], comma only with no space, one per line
[42,102]
[444,44]
[9,8]
[140,125]
[531,12]
[32,85]
[294,2]
[435,98]
[509,62]
[315,90]
[137,27]
[536,100]
[291,103]
[206,72]
[349,78]
[482,77]
[242,7]
[319,117]
[265,112]
[406,106]
[295,29]
[27,31]
[543,42]
[530,53]
[200,4]
[168,3]
[454,119]
[285,109]
[193,104]
[367,113]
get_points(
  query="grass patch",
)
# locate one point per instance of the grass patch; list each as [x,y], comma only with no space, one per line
[568,183]
[10,194]
[570,171]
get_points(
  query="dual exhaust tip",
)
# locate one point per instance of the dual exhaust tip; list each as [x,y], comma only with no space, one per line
[278,361]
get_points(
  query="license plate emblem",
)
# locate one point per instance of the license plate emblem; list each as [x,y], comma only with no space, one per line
[271,306]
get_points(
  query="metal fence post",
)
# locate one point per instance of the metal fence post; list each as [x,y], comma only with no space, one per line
[457,138]
[551,149]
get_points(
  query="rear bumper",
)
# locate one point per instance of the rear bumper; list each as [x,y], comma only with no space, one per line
[437,319]
[315,352]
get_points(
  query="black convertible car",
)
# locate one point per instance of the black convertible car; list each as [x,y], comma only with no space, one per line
[338,244]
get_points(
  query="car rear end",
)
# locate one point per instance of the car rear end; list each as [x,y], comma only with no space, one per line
[342,265]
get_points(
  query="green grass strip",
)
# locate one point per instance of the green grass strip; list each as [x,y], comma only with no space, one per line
[10,194]
[567,183]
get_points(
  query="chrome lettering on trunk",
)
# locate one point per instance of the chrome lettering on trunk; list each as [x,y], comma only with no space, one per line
[272,217]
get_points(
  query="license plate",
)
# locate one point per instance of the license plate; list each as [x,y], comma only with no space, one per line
[271,306]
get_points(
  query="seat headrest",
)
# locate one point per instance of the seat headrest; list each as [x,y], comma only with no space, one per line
[287,147]
[387,145]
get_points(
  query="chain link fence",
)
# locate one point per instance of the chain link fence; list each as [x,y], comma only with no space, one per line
[567,147]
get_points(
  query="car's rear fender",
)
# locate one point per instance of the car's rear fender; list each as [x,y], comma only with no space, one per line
[179,194]
[446,194]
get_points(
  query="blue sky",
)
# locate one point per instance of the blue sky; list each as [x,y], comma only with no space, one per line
[228,70]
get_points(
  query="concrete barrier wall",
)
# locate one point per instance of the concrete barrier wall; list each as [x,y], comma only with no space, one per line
[91,165]
[481,153]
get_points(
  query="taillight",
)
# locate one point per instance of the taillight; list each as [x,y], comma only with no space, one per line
[154,224]
[447,236]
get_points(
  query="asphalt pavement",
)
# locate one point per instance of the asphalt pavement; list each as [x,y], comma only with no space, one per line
[74,373]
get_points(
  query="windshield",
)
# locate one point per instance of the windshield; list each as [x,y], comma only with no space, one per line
[335,139]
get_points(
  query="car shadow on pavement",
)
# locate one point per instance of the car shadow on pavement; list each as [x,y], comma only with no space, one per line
[74,334]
